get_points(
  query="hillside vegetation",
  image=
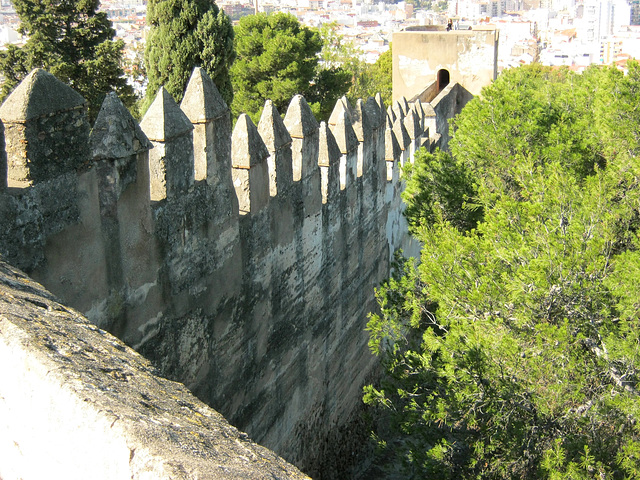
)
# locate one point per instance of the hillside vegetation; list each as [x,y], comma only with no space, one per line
[513,349]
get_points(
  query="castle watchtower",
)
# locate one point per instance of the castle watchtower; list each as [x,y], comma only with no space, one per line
[426,61]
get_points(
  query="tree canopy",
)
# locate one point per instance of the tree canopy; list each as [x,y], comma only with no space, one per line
[71,40]
[437,6]
[185,34]
[277,59]
[382,75]
[366,80]
[513,349]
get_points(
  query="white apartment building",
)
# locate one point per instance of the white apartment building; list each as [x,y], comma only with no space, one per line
[602,18]
[476,9]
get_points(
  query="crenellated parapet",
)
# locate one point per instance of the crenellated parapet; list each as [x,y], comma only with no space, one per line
[393,152]
[171,163]
[329,162]
[278,142]
[342,129]
[241,260]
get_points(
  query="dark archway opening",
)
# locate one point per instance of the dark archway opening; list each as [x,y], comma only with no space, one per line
[443,79]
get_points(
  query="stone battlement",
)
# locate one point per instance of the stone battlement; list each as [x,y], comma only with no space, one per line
[241,261]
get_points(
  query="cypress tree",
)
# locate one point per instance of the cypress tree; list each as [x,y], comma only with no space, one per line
[73,41]
[185,34]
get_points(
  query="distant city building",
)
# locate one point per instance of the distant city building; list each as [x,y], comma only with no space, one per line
[8,34]
[610,51]
[635,11]
[574,33]
[602,18]
[368,23]
[563,5]
[514,5]
[235,10]
[476,9]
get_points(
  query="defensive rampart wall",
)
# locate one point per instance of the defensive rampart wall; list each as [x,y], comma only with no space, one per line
[241,262]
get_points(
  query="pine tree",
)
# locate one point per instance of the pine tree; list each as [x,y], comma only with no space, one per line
[73,41]
[185,34]
[277,59]
[512,350]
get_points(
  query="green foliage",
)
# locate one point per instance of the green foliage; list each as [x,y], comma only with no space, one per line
[186,34]
[621,127]
[336,52]
[365,79]
[337,57]
[73,41]
[277,59]
[530,115]
[437,6]
[134,67]
[439,189]
[370,79]
[441,5]
[513,349]
[382,72]
[329,85]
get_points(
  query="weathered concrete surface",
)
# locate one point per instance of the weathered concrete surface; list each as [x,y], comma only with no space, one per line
[77,403]
[470,57]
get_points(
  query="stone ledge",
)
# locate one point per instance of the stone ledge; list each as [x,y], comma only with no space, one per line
[75,402]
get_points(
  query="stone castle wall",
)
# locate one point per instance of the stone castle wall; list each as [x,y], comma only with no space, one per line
[241,261]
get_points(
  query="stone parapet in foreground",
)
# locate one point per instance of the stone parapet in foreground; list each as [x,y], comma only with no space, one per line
[76,402]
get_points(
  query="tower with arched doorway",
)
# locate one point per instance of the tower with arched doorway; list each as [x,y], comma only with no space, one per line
[429,60]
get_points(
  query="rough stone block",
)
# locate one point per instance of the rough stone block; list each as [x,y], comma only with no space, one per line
[250,171]
[302,125]
[329,161]
[171,164]
[47,130]
[278,143]
[206,110]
